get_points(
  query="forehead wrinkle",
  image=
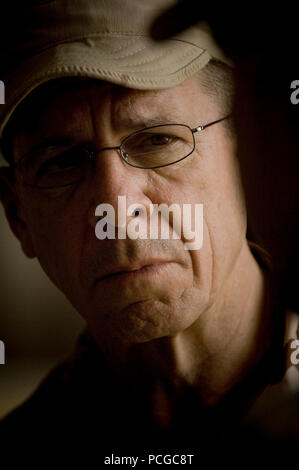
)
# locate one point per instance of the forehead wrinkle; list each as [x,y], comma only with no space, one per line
[141,109]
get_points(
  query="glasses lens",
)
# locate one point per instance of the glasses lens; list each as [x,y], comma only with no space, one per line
[158,146]
[55,167]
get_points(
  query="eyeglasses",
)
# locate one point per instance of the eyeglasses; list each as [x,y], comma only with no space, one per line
[152,147]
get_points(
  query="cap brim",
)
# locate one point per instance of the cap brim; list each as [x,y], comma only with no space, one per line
[131,61]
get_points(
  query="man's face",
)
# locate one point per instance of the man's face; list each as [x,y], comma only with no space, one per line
[58,225]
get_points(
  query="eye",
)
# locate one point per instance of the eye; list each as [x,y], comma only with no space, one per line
[160,139]
[67,160]
[146,142]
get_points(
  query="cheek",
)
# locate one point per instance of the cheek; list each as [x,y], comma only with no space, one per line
[224,196]
[225,218]
[214,181]
[58,232]
[188,188]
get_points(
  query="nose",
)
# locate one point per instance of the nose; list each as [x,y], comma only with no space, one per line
[113,178]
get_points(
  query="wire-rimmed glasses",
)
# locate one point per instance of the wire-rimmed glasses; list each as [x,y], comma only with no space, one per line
[148,148]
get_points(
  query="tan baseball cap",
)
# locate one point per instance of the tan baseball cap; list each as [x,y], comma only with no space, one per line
[102,39]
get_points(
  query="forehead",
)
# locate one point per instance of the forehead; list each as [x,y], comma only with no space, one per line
[69,106]
[65,100]
[74,93]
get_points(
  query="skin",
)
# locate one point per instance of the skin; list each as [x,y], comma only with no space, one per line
[264,111]
[200,321]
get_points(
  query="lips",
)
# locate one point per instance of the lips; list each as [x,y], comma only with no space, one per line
[136,268]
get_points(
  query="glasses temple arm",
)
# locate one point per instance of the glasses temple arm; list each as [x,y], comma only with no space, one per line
[201,128]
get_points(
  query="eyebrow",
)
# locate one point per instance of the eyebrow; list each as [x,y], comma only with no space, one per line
[126,123]
[140,123]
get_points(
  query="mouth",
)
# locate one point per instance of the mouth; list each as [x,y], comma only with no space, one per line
[149,269]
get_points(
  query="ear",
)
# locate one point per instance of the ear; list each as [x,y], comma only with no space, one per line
[13,212]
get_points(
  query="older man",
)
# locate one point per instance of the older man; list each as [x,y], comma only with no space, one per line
[179,343]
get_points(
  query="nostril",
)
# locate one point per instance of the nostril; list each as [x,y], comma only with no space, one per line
[136,212]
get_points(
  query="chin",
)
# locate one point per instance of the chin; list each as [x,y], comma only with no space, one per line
[149,320]
[145,320]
